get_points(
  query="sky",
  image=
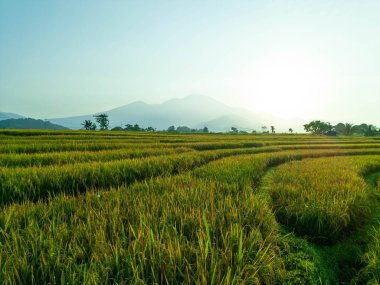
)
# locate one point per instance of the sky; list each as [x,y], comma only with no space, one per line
[303,59]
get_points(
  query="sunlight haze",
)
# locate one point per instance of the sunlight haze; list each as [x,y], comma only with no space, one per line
[292,59]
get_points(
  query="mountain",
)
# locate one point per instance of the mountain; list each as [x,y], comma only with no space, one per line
[224,123]
[6,116]
[28,123]
[195,111]
[188,111]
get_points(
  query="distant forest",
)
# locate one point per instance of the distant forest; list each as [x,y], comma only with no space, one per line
[315,127]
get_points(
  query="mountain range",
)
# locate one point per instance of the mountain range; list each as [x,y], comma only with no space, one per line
[194,111]
[28,124]
[7,116]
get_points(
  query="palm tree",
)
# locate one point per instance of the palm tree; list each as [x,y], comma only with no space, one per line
[264,129]
[272,129]
[346,129]
[349,129]
[368,130]
[103,122]
[88,125]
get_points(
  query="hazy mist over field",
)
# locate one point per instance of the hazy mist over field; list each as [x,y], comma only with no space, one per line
[291,59]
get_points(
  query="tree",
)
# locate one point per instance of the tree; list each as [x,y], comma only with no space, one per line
[137,128]
[129,127]
[102,120]
[150,129]
[205,130]
[171,129]
[346,129]
[319,128]
[118,129]
[290,130]
[367,130]
[184,129]
[234,130]
[88,125]
[264,129]
[272,129]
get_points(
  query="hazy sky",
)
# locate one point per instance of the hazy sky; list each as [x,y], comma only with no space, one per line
[306,58]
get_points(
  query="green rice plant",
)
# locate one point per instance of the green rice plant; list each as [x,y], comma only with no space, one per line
[18,184]
[60,158]
[156,208]
[370,273]
[224,145]
[303,263]
[168,230]
[42,147]
[329,146]
[321,198]
[249,167]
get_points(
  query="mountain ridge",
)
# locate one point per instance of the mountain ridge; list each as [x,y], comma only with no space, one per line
[194,111]
[29,124]
[7,115]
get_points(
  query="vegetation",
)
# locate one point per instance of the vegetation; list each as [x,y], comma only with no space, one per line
[86,207]
[315,127]
[89,125]
[185,129]
[24,124]
[368,130]
[346,129]
[321,198]
[318,127]
[324,128]
[102,120]
[371,272]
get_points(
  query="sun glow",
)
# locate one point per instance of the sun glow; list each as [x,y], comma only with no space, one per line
[289,83]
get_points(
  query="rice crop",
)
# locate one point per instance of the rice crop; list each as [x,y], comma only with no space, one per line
[168,230]
[320,198]
[60,158]
[153,208]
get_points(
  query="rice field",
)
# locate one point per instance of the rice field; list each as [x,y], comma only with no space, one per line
[154,208]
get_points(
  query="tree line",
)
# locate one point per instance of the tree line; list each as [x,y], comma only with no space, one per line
[103,122]
[318,127]
[315,127]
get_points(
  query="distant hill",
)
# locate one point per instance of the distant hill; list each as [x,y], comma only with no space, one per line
[194,111]
[224,123]
[6,116]
[28,123]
